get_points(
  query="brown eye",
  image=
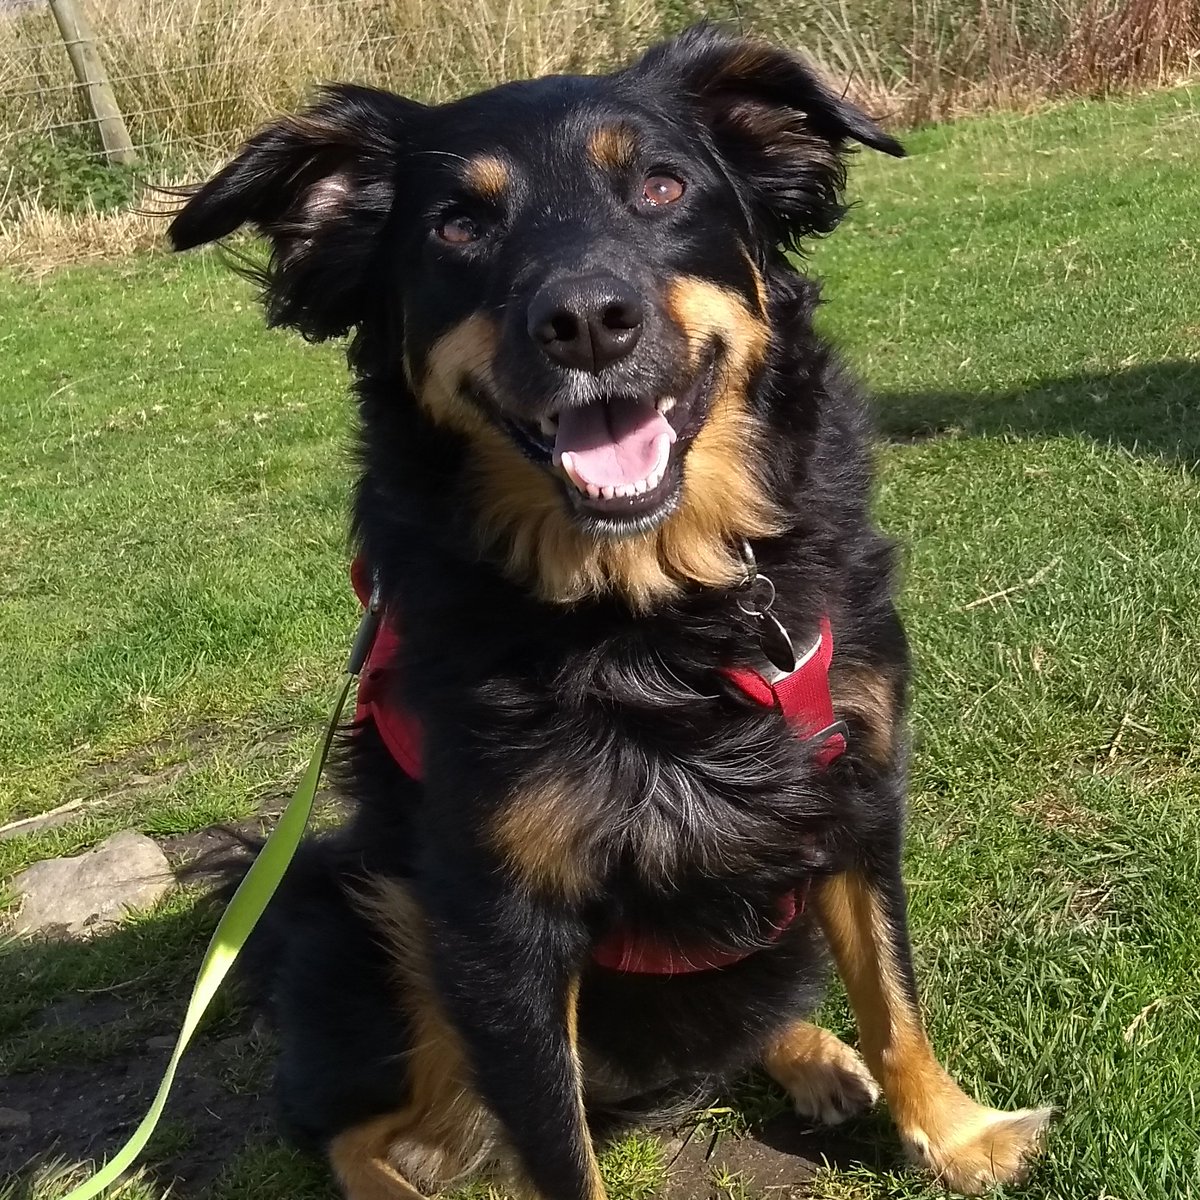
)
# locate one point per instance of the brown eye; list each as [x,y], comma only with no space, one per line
[458,230]
[662,189]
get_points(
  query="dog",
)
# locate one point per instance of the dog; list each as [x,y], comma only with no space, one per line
[629,758]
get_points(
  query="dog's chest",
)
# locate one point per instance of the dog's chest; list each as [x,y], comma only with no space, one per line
[695,787]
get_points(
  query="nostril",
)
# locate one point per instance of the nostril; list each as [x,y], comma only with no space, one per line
[565,327]
[621,316]
[557,327]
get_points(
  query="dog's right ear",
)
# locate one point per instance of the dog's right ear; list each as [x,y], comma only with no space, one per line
[319,186]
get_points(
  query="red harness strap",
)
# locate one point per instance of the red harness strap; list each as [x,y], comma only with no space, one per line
[399,728]
[802,697]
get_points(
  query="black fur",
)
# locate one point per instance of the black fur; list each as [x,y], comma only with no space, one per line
[665,764]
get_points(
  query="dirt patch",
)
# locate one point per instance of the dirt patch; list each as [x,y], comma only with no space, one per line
[221,1104]
[777,1161]
[86,1112]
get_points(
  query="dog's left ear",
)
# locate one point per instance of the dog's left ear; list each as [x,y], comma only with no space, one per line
[773,120]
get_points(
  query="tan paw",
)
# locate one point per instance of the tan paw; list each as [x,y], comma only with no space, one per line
[829,1086]
[983,1148]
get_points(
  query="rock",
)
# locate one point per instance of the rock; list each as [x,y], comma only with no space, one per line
[12,1119]
[91,891]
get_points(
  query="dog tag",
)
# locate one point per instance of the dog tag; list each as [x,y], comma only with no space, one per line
[776,645]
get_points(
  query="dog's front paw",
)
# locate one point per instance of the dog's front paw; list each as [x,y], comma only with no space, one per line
[826,1079]
[981,1148]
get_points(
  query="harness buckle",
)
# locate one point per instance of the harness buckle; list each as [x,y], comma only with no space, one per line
[830,731]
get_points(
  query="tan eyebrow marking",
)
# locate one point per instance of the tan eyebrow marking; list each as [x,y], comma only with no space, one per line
[613,147]
[487,175]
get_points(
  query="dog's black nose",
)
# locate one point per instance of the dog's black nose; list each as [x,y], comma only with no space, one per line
[587,322]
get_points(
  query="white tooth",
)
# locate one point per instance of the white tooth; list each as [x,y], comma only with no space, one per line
[621,492]
[639,488]
[593,491]
[652,481]
[549,426]
[607,493]
[665,405]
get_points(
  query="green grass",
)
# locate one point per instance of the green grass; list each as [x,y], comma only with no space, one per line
[1021,293]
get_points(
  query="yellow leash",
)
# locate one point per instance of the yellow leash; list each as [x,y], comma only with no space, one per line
[240,916]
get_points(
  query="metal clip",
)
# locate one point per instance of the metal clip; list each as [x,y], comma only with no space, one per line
[773,639]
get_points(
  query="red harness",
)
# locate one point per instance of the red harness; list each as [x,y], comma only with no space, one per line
[802,697]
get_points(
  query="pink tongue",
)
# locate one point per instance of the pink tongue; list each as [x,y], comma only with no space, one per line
[613,443]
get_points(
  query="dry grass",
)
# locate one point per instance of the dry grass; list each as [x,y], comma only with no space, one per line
[203,73]
[194,77]
[923,60]
[36,238]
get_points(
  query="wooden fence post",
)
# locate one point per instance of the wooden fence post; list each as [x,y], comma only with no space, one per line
[89,70]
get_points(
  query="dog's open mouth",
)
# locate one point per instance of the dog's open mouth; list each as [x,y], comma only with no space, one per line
[616,455]
[615,452]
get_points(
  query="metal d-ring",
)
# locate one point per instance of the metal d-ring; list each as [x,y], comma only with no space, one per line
[754,584]
[759,586]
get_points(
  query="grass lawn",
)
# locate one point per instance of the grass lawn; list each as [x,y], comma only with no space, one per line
[1021,293]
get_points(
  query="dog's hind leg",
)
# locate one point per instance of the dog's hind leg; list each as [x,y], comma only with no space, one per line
[359,1158]
[826,1079]
[968,1146]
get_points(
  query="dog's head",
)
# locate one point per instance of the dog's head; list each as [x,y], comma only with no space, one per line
[570,273]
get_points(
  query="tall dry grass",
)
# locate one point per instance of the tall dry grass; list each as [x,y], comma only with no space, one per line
[202,73]
[205,72]
[194,77]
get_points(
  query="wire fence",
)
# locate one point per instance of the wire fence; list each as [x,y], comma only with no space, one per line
[193,78]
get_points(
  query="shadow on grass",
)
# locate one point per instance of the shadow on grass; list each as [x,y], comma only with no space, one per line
[85,1032]
[1151,410]
[86,1029]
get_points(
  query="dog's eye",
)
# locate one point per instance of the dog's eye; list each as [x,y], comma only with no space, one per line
[459,229]
[662,189]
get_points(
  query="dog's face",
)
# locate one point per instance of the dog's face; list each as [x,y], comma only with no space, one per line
[560,278]
[571,272]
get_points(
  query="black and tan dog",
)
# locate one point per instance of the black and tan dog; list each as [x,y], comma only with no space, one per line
[593,857]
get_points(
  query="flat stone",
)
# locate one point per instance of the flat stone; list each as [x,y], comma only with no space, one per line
[92,891]
[12,1119]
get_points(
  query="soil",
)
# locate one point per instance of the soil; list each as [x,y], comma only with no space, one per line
[81,1113]
[87,1112]
[221,1099]
[775,1162]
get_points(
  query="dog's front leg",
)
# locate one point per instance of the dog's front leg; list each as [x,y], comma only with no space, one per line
[969,1147]
[506,960]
